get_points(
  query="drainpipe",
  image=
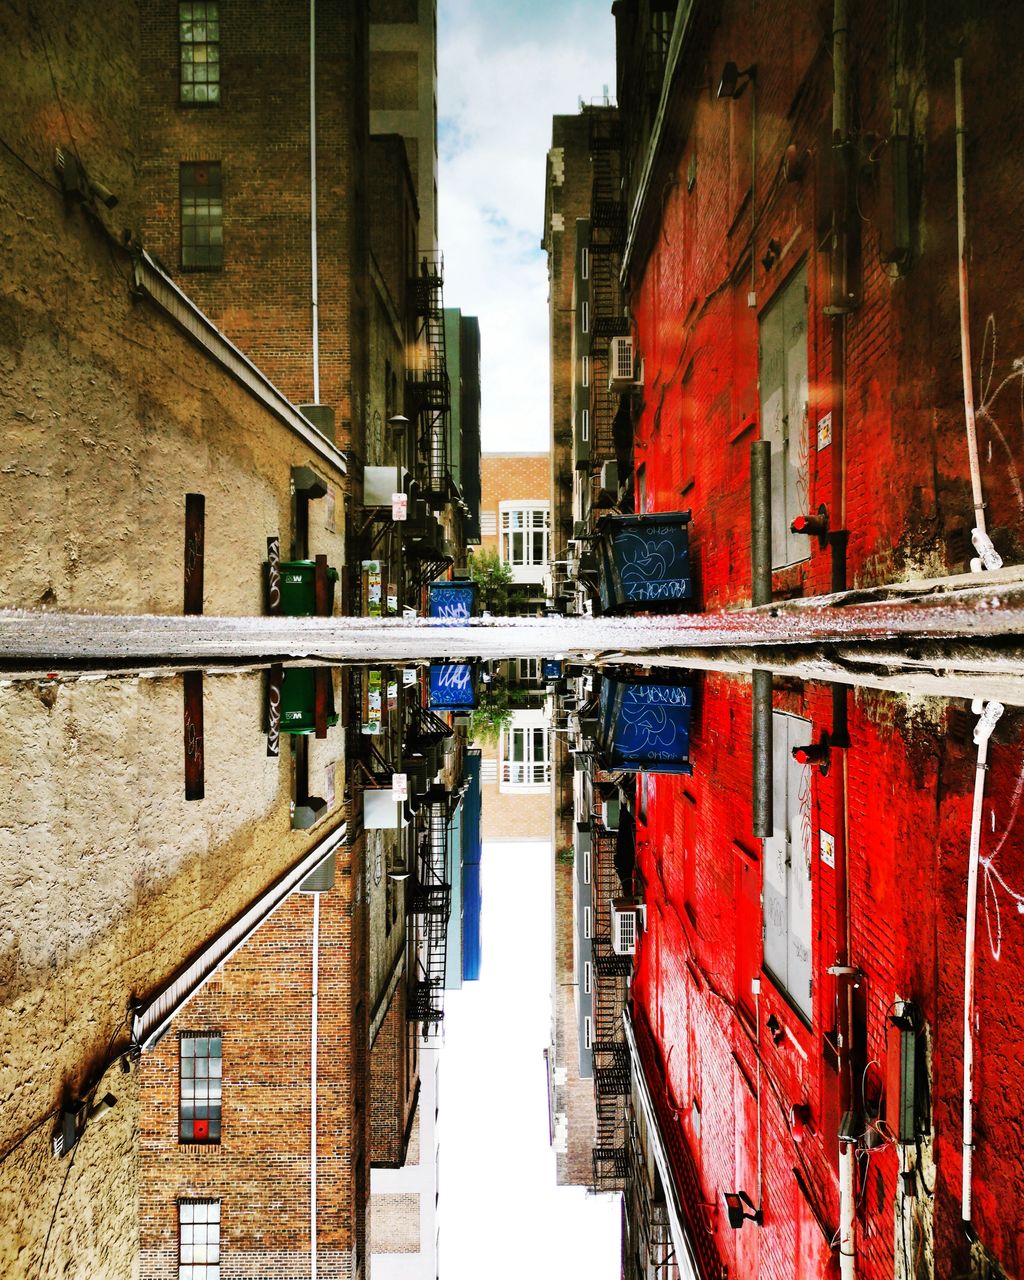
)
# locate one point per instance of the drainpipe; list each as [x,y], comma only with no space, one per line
[313,1086]
[988,713]
[988,557]
[761,593]
[314,283]
[839,290]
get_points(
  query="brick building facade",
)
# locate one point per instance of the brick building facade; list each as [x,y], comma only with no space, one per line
[789,253]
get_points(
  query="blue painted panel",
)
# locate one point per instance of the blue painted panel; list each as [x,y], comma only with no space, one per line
[644,561]
[645,726]
[551,669]
[451,600]
[452,686]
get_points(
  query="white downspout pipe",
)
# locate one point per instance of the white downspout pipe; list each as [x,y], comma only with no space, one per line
[314,1003]
[987,717]
[988,557]
[847,1245]
[314,281]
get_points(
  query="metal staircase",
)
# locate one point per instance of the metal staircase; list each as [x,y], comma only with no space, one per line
[430,388]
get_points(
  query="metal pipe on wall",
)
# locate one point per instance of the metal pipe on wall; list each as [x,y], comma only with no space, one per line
[760,522]
[314,276]
[764,816]
[314,1011]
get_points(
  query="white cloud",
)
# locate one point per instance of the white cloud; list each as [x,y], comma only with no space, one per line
[503,71]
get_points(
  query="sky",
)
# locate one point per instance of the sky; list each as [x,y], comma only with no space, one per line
[504,69]
[500,1213]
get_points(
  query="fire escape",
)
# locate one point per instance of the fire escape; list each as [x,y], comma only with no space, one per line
[611,1053]
[608,237]
[430,388]
[430,899]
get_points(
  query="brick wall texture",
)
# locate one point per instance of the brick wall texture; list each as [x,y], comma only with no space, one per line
[905,781]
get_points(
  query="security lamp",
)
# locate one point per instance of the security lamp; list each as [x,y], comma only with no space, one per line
[398,422]
[729,86]
[737,1203]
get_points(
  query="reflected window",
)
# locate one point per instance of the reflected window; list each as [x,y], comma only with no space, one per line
[787,866]
[199,51]
[198,1240]
[200,1093]
[202,217]
[525,756]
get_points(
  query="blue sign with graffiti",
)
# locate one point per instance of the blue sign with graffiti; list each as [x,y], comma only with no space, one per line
[453,600]
[644,727]
[644,561]
[452,686]
[551,669]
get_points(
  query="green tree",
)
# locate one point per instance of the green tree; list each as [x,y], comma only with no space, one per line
[495,582]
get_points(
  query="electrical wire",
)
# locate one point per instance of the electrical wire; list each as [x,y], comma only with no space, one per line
[53,1217]
[25,164]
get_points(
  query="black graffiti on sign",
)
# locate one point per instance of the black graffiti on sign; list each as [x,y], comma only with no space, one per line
[274,711]
[195,541]
[194,760]
[274,574]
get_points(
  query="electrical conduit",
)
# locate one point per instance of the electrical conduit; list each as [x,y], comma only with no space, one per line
[988,557]
[987,717]
[314,280]
[314,1003]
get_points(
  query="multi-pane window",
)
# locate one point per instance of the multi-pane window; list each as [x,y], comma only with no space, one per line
[202,216]
[199,50]
[527,670]
[199,1107]
[524,536]
[525,758]
[198,1240]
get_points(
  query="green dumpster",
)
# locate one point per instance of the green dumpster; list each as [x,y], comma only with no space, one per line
[298,588]
[298,701]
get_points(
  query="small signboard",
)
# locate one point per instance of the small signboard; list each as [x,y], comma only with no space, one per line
[551,669]
[373,588]
[452,686]
[408,676]
[399,506]
[372,702]
[400,786]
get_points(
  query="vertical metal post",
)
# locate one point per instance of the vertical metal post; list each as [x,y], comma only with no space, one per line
[762,754]
[760,522]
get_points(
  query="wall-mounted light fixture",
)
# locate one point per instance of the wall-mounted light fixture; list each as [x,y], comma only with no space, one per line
[734,81]
[740,1208]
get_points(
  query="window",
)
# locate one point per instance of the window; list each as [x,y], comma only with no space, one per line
[525,759]
[585,264]
[199,48]
[198,1240]
[585,424]
[587,923]
[585,374]
[784,397]
[588,1033]
[787,866]
[527,670]
[586,866]
[585,321]
[202,217]
[199,1106]
[488,524]
[524,536]
[587,976]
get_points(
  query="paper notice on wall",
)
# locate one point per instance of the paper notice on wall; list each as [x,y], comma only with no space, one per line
[408,675]
[372,702]
[399,506]
[399,786]
[825,431]
[373,587]
[827,844]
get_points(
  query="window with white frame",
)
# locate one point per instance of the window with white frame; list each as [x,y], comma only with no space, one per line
[586,866]
[585,264]
[525,756]
[588,1033]
[587,923]
[198,1240]
[524,536]
[528,670]
[586,371]
[585,424]
[585,319]
[587,976]
[488,524]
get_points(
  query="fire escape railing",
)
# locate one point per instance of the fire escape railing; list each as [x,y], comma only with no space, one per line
[431,388]
[431,899]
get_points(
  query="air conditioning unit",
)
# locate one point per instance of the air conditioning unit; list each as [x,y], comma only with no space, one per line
[610,476]
[610,813]
[621,373]
[628,918]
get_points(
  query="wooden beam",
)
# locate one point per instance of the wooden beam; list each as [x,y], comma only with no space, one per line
[195,785]
[195,549]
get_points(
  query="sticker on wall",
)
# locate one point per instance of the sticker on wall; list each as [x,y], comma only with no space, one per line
[827,845]
[825,430]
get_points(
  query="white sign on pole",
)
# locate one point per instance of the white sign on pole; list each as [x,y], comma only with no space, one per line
[399,506]
[399,786]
